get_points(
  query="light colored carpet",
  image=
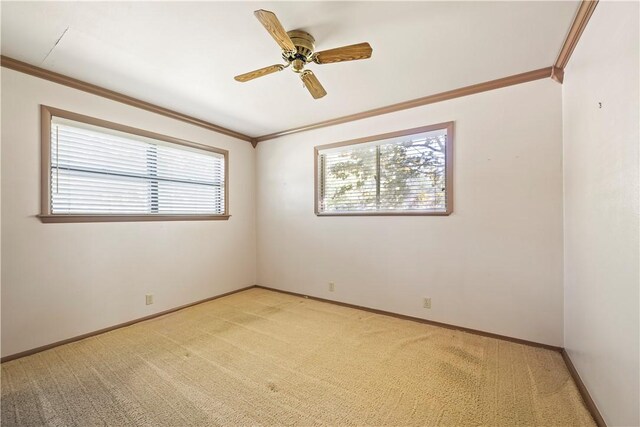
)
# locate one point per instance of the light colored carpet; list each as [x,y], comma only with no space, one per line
[264,358]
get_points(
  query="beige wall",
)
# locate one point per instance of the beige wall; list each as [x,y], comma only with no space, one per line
[495,264]
[601,210]
[62,280]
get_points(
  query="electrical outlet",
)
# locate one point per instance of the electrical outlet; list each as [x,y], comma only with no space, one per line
[332,287]
[427,303]
[149,299]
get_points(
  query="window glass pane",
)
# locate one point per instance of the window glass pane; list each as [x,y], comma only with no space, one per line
[77,148]
[82,192]
[413,174]
[349,182]
[191,166]
[180,198]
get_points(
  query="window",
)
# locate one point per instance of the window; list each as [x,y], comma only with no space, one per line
[95,170]
[401,173]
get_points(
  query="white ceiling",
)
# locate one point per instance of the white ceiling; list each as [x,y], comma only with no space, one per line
[184,56]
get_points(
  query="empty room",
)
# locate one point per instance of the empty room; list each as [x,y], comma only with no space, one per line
[360,213]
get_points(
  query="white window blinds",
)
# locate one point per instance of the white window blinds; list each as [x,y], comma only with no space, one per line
[405,174]
[99,171]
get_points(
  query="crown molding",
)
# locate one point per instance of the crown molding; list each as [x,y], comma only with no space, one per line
[577,27]
[555,72]
[26,68]
[529,76]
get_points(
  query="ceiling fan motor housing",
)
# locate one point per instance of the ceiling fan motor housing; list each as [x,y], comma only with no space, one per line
[304,43]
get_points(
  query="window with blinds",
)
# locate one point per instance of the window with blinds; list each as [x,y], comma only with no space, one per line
[102,171]
[407,172]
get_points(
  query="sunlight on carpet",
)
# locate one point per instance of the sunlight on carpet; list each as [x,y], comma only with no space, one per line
[260,357]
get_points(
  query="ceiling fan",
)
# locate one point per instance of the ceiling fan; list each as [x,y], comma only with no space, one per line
[298,50]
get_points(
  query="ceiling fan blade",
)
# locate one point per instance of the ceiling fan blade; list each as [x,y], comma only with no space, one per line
[259,73]
[344,53]
[312,84]
[270,21]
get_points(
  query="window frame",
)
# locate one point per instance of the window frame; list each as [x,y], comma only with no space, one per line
[46,216]
[449,126]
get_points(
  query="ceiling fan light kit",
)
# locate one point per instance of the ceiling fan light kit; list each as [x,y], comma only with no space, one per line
[298,50]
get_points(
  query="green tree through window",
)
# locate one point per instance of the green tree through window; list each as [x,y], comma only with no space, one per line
[404,174]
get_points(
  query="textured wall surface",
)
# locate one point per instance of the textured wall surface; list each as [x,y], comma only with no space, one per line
[602,279]
[495,264]
[63,280]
